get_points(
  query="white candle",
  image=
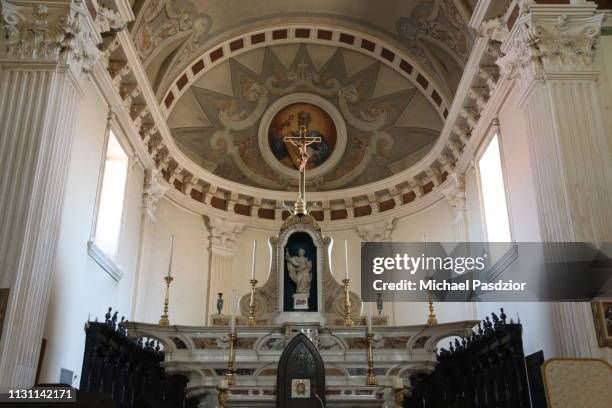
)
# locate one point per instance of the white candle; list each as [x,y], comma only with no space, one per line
[233,317]
[253,264]
[171,256]
[346,264]
[369,316]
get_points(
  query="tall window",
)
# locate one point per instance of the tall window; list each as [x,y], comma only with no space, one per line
[112,194]
[494,193]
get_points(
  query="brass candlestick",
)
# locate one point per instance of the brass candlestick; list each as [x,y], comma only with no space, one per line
[431,319]
[348,320]
[399,397]
[251,319]
[229,375]
[371,377]
[164,321]
[222,397]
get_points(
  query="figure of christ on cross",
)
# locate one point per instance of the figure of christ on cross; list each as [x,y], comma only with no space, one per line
[302,141]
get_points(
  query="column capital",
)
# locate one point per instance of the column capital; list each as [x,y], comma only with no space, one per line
[59,32]
[224,235]
[552,42]
[455,192]
[376,232]
[155,188]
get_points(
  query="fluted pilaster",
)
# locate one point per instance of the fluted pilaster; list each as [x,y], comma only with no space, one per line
[46,50]
[224,235]
[550,52]
[380,232]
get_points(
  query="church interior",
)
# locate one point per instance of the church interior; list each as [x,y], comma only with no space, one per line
[188,187]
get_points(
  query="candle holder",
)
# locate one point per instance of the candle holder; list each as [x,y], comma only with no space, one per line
[348,320]
[251,319]
[371,380]
[229,375]
[222,397]
[164,321]
[398,393]
[431,319]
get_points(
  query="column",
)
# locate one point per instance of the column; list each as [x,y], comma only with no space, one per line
[223,237]
[550,52]
[379,232]
[46,51]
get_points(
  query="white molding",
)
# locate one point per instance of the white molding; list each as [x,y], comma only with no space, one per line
[107,264]
[479,13]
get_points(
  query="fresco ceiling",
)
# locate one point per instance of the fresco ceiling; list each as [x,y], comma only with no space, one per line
[169,34]
[231,120]
[220,121]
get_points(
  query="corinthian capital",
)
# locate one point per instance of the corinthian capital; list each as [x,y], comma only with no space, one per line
[376,232]
[61,31]
[224,235]
[549,40]
[455,192]
[154,189]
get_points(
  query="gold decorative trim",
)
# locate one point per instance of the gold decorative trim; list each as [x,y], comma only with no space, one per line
[604,339]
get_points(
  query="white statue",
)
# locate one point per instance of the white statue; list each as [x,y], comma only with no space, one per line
[299,270]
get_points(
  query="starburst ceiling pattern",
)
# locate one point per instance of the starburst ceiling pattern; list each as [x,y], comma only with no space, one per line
[389,124]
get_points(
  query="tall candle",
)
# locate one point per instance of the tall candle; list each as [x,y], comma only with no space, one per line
[369,316]
[171,256]
[233,316]
[253,261]
[346,264]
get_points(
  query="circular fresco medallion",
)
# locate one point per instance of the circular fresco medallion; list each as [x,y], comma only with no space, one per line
[288,120]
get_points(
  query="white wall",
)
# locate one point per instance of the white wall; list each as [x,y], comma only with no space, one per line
[604,57]
[81,288]
[188,290]
[605,94]
[436,223]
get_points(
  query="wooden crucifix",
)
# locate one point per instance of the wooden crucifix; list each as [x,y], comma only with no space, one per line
[302,141]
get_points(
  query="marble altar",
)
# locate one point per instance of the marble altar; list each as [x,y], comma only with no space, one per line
[202,353]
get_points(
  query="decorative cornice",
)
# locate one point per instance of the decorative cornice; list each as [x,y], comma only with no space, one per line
[548,44]
[155,188]
[61,32]
[224,235]
[376,232]
[109,20]
[495,28]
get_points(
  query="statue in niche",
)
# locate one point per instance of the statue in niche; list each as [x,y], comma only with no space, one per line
[300,270]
